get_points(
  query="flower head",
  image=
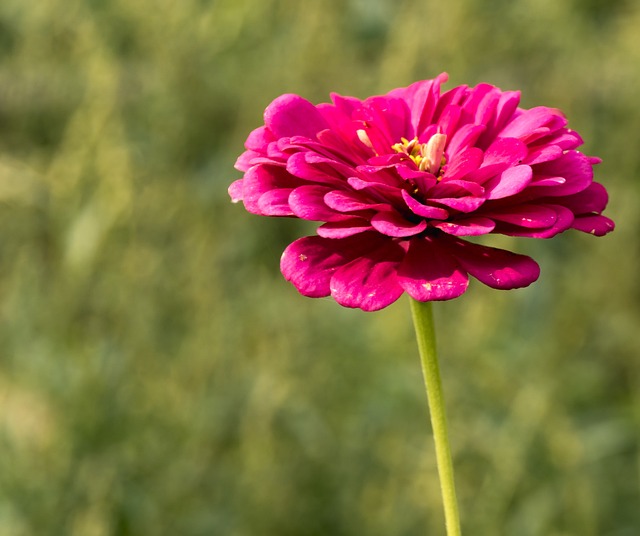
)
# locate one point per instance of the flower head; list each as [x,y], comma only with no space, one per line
[399,180]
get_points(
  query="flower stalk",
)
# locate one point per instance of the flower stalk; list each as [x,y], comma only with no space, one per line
[425,333]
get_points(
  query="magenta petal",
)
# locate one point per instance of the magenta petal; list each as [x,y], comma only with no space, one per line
[496,268]
[345,201]
[370,282]
[463,204]
[593,199]
[425,211]
[291,115]
[391,223]
[531,120]
[307,202]
[235,191]
[261,179]
[596,225]
[275,202]
[543,154]
[564,220]
[510,182]
[473,226]
[310,262]
[464,137]
[463,163]
[343,229]
[430,273]
[529,216]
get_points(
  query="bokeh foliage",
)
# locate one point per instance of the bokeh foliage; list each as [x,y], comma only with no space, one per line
[157,375]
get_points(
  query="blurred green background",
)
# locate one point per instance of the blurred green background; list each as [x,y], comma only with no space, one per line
[158,376]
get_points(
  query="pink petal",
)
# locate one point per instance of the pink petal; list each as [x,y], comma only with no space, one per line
[573,166]
[531,121]
[291,115]
[275,202]
[391,223]
[564,220]
[235,191]
[423,210]
[315,168]
[463,163]
[449,120]
[346,201]
[593,199]
[307,202]
[464,137]
[596,225]
[501,154]
[370,281]
[344,229]
[260,179]
[509,182]
[496,268]
[429,272]
[474,226]
[463,204]
[544,154]
[310,262]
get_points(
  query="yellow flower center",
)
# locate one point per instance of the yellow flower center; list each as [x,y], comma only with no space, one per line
[427,156]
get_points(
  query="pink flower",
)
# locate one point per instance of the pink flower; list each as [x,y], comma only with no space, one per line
[399,179]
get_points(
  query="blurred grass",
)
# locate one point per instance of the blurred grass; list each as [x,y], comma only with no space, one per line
[157,376]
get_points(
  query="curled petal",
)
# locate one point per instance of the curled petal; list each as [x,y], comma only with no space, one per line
[391,223]
[346,201]
[426,211]
[429,272]
[494,267]
[529,216]
[471,226]
[595,224]
[343,229]
[235,191]
[275,202]
[463,163]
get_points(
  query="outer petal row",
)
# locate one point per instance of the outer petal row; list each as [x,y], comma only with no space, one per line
[369,271]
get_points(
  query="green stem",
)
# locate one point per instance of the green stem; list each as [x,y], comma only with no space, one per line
[423,322]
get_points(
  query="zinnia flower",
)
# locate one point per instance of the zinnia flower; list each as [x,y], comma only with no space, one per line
[400,179]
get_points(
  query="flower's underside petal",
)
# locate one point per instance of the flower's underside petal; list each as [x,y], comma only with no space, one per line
[370,281]
[291,115]
[430,273]
[391,223]
[469,226]
[496,268]
[595,224]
